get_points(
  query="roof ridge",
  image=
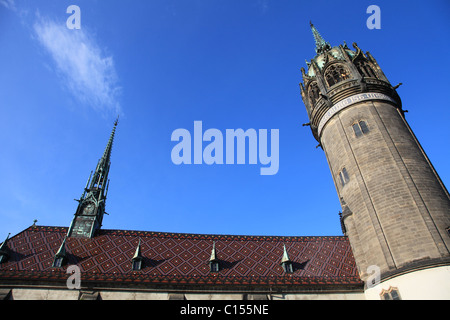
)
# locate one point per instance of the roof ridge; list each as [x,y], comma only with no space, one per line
[217,236]
[210,236]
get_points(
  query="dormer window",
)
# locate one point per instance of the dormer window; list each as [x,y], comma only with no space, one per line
[336,73]
[60,256]
[58,262]
[286,263]
[136,261]
[137,264]
[214,265]
[287,267]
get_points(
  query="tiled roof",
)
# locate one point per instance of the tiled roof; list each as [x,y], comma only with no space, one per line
[177,259]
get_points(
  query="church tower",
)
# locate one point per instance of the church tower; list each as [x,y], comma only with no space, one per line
[395,208]
[91,205]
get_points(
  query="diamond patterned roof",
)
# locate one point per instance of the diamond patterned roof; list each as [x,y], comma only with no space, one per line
[181,259]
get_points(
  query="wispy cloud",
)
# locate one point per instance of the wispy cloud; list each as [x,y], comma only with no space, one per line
[86,70]
[263,5]
[8,4]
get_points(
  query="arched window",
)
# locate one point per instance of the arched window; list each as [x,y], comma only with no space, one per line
[313,93]
[336,73]
[365,70]
[391,294]
[360,128]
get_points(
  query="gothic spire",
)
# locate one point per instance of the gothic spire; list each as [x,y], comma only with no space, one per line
[321,44]
[91,208]
[101,172]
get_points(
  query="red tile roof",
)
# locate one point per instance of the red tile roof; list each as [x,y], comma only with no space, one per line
[177,259]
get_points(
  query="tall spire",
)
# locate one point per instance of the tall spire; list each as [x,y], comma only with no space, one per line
[100,177]
[321,44]
[91,208]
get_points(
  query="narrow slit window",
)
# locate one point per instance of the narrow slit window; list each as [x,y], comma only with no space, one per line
[357,130]
[364,127]
[343,175]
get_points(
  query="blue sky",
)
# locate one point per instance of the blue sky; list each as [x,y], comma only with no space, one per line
[163,64]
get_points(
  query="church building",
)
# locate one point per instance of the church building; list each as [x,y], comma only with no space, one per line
[395,219]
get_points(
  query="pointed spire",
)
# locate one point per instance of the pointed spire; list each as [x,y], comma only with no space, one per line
[137,253]
[213,252]
[285,257]
[101,172]
[107,152]
[62,249]
[60,256]
[100,176]
[3,250]
[136,261]
[93,199]
[214,263]
[3,245]
[321,44]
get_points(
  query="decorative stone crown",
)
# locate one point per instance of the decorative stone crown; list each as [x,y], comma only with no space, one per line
[338,77]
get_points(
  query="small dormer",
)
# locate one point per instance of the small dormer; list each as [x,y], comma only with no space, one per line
[286,263]
[60,256]
[136,261]
[214,264]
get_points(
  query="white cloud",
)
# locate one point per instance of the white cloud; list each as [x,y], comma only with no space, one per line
[8,4]
[88,73]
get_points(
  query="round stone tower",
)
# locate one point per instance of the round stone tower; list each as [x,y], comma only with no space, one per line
[395,208]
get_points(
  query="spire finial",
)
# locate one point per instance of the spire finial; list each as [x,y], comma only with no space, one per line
[321,44]
[213,252]
[285,257]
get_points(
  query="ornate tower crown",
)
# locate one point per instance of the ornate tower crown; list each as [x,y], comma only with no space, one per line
[336,74]
[91,205]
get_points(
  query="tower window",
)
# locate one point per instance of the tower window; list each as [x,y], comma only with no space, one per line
[390,294]
[360,128]
[313,93]
[343,176]
[365,70]
[336,73]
